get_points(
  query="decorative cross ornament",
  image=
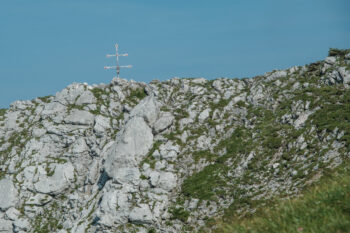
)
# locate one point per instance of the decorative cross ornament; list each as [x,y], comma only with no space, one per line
[117,55]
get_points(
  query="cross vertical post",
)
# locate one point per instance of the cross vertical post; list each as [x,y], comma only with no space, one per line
[117,66]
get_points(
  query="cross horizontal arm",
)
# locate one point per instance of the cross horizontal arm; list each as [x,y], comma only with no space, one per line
[115,67]
[110,67]
[117,55]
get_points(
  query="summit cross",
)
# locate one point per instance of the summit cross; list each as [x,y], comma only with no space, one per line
[117,66]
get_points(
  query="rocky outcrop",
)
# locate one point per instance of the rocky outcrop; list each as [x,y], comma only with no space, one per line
[63,175]
[122,158]
[8,194]
[169,156]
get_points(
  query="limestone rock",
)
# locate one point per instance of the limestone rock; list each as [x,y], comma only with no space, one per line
[302,119]
[70,94]
[121,159]
[167,181]
[39,199]
[8,194]
[79,117]
[204,115]
[148,109]
[60,180]
[97,159]
[79,146]
[141,215]
[86,98]
[154,177]
[276,75]
[330,60]
[199,80]
[53,108]
[5,226]
[169,151]
[12,214]
[345,74]
[21,224]
[101,125]
[165,120]
[12,121]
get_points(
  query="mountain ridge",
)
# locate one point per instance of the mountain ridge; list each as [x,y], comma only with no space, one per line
[170,156]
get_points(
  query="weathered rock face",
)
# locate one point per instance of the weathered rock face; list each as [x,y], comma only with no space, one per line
[8,194]
[63,175]
[169,156]
[78,117]
[123,157]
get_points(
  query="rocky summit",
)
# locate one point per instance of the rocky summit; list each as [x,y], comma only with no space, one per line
[170,156]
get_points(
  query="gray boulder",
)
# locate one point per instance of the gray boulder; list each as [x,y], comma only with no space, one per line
[330,60]
[141,215]
[53,108]
[165,121]
[79,117]
[21,224]
[12,214]
[276,75]
[345,74]
[86,98]
[148,109]
[333,78]
[11,122]
[5,225]
[60,180]
[101,125]
[70,93]
[122,158]
[8,194]
[167,181]
[300,121]
[204,115]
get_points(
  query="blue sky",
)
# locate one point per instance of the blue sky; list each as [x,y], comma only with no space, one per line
[46,45]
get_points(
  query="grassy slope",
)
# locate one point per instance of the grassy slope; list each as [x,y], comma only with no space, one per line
[269,140]
[324,207]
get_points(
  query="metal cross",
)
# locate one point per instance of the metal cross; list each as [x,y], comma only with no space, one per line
[117,55]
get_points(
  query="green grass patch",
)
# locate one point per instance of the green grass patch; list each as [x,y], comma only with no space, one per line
[179,213]
[206,184]
[3,111]
[220,104]
[323,207]
[335,114]
[45,99]
[149,157]
[210,183]
[203,154]
[137,94]
[49,221]
[98,92]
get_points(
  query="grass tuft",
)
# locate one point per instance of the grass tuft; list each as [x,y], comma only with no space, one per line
[324,207]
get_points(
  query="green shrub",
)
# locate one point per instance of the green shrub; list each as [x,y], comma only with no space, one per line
[2,111]
[138,93]
[338,52]
[205,184]
[179,213]
[241,104]
[45,99]
[220,105]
